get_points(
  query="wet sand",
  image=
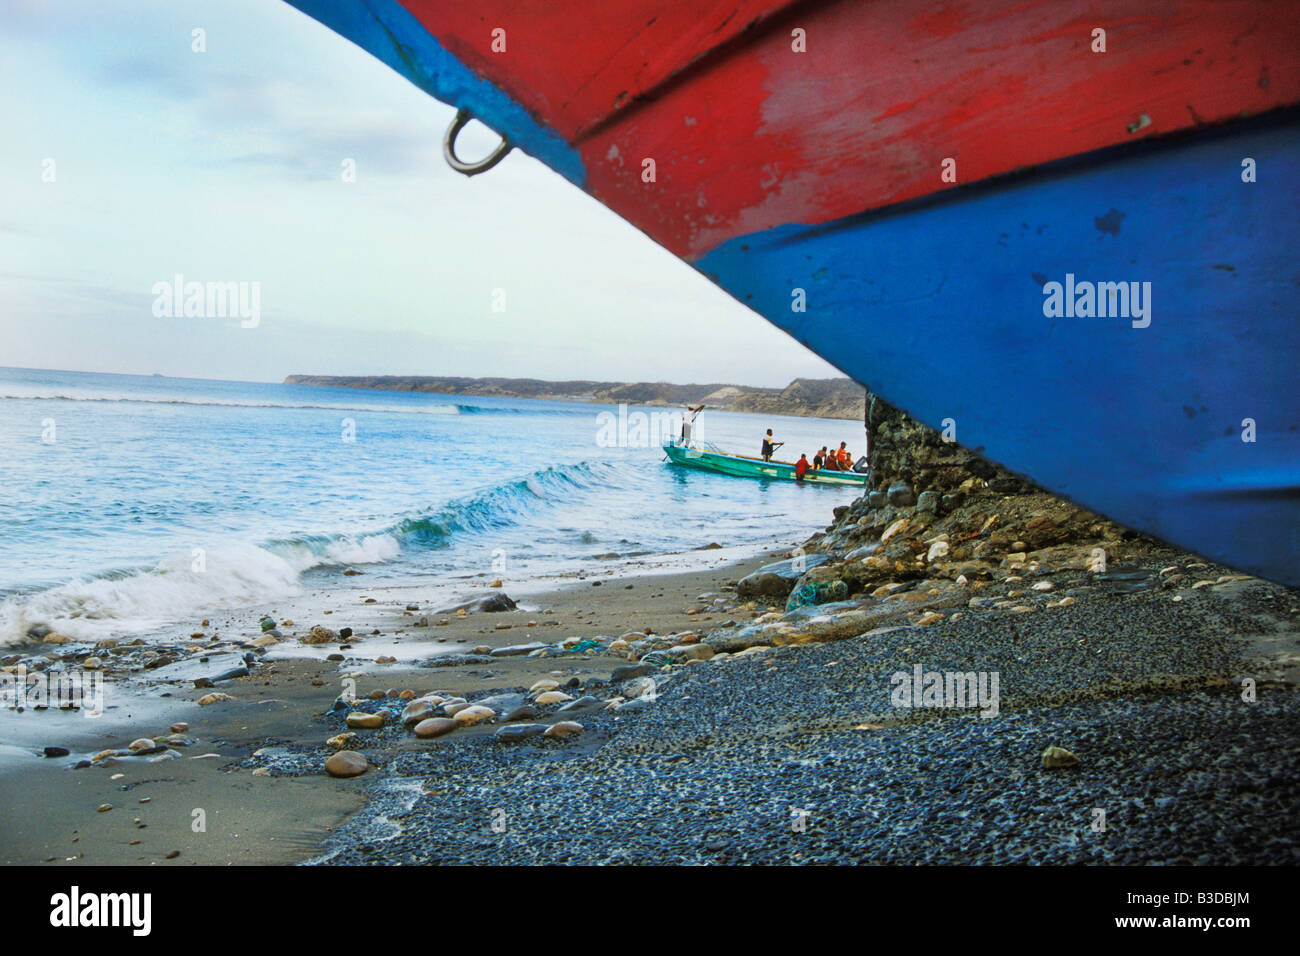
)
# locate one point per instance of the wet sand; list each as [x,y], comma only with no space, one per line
[259,818]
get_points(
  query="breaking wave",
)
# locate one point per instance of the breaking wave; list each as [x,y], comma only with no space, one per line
[140,600]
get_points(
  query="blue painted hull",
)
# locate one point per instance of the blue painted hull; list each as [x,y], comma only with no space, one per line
[939,306]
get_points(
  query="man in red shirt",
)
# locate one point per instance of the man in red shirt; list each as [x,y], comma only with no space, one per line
[801,468]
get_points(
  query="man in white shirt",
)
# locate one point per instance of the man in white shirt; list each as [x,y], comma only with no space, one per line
[688,422]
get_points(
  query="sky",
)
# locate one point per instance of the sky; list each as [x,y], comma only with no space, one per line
[129,158]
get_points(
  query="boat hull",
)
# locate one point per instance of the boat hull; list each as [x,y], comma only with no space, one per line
[1184,423]
[739,466]
[820,196]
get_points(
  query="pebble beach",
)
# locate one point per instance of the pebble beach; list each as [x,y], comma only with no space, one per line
[677,718]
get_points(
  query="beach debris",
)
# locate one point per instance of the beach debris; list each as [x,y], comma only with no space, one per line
[319,634]
[1058,757]
[360,720]
[207,699]
[104,808]
[822,592]
[347,763]
[268,623]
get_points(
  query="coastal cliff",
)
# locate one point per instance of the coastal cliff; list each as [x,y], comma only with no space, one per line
[816,398]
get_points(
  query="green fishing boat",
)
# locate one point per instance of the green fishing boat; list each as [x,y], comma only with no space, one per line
[706,457]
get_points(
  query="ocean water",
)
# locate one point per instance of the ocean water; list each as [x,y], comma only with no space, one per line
[128,503]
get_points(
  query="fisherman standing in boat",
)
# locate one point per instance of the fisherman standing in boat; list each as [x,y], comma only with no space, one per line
[769,446]
[688,422]
[801,467]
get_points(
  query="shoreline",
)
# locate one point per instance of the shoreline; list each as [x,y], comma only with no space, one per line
[277,706]
[724,748]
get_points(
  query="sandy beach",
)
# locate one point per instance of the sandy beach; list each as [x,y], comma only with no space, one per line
[788,750]
[278,710]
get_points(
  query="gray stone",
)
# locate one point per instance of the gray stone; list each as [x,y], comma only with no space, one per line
[518,650]
[630,671]
[639,687]
[901,496]
[582,702]
[928,502]
[503,702]
[777,579]
[493,603]
[516,732]
[866,551]
[877,499]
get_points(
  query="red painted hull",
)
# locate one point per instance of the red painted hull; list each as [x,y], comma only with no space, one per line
[864,118]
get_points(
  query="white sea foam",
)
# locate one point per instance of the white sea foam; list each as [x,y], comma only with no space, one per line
[231,576]
[30,393]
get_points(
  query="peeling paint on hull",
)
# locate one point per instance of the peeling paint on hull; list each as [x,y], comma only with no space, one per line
[777,170]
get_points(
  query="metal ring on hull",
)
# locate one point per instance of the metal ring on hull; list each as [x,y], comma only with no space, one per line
[470,169]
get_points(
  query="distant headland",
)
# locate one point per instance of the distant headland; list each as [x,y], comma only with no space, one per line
[818,398]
